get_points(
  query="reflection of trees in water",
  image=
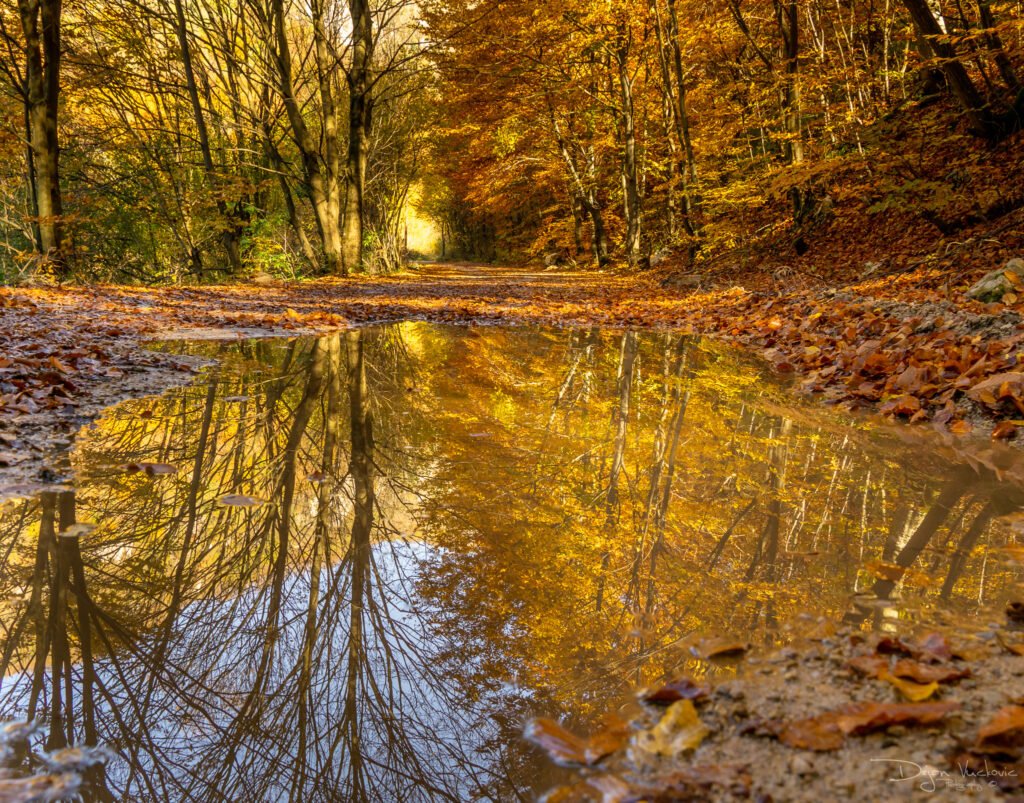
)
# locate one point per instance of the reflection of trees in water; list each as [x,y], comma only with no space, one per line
[669,494]
[244,653]
[461,528]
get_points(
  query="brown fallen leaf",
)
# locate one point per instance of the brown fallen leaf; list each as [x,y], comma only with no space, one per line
[814,733]
[870,665]
[934,647]
[827,731]
[566,748]
[695,783]
[673,691]
[719,648]
[1005,729]
[890,645]
[928,673]
[1004,430]
[863,718]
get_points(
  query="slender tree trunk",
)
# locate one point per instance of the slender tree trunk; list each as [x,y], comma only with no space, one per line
[40,23]
[630,169]
[230,237]
[320,170]
[360,107]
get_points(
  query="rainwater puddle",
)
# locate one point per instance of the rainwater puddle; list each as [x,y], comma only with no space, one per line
[352,567]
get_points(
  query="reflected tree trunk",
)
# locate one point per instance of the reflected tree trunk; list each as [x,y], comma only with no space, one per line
[620,424]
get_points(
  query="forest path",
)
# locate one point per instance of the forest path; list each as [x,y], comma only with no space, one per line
[910,343]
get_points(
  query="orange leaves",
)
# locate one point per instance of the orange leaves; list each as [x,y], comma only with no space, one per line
[568,749]
[1005,729]
[673,691]
[829,730]
[999,389]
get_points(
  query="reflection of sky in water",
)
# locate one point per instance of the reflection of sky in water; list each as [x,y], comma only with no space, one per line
[554,516]
[199,736]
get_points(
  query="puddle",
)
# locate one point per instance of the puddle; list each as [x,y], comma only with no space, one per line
[352,567]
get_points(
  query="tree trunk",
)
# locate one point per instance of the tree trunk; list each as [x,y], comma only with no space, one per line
[981,121]
[320,170]
[40,23]
[359,85]
[231,235]
[630,171]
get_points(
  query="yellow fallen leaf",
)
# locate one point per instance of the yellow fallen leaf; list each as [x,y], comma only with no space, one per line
[678,731]
[914,692]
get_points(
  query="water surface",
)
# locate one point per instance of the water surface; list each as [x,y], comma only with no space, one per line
[352,567]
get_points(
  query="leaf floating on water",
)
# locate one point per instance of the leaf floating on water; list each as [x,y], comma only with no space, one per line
[1006,728]
[566,748]
[610,788]
[150,469]
[239,500]
[37,788]
[77,530]
[680,689]
[679,731]
[76,758]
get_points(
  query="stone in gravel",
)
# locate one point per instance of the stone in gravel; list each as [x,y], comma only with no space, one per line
[993,286]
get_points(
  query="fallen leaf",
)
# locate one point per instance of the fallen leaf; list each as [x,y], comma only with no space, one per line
[1005,729]
[568,749]
[77,530]
[827,731]
[863,718]
[152,469]
[719,648]
[680,689]
[814,733]
[928,673]
[870,665]
[911,690]
[239,500]
[679,731]
[1004,430]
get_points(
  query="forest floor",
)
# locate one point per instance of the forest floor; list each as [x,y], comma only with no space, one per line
[909,344]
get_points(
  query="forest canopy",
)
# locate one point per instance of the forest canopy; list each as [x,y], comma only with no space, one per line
[172,140]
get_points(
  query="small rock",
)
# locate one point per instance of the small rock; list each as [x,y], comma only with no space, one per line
[993,286]
[800,765]
[660,256]
[682,281]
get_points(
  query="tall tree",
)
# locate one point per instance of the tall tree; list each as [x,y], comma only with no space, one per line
[40,24]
